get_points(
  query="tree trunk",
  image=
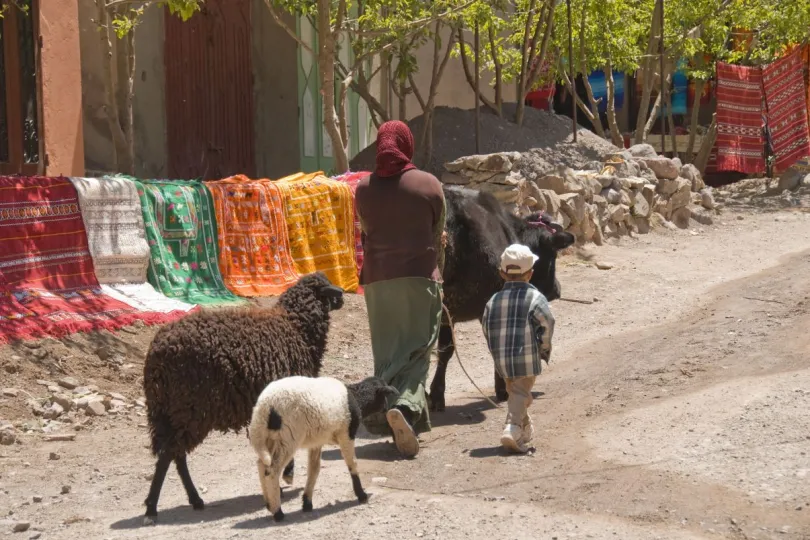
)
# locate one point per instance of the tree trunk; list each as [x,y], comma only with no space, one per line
[647,71]
[524,63]
[671,121]
[437,71]
[465,64]
[693,121]
[702,158]
[594,103]
[496,62]
[615,133]
[122,163]
[128,120]
[653,114]
[326,66]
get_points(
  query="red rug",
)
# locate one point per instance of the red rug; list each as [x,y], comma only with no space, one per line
[48,285]
[352,179]
[783,81]
[740,142]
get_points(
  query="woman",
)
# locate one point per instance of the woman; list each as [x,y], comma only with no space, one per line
[402,212]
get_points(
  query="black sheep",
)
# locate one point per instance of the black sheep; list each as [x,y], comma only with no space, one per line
[205,372]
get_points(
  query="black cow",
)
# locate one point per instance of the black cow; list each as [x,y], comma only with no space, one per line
[478,230]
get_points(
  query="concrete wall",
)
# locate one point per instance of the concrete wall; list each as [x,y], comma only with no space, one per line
[61,86]
[275,94]
[148,107]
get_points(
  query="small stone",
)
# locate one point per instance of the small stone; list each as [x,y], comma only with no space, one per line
[7,438]
[21,526]
[65,402]
[379,480]
[95,408]
[37,498]
[35,536]
[116,395]
[65,490]
[140,403]
[117,404]
[53,456]
[10,392]
[68,382]
[53,412]
[12,367]
[604,265]
[42,382]
[61,437]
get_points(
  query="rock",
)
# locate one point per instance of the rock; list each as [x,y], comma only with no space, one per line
[702,215]
[35,536]
[640,205]
[37,498]
[379,480]
[548,201]
[605,180]
[791,179]
[598,237]
[616,157]
[691,173]
[21,526]
[643,225]
[140,402]
[36,407]
[63,400]
[81,391]
[53,412]
[116,395]
[117,404]
[61,437]
[612,196]
[53,456]
[68,382]
[497,162]
[707,199]
[680,198]
[12,367]
[10,392]
[681,216]
[617,212]
[668,187]
[625,198]
[663,168]
[42,382]
[7,438]
[611,229]
[604,265]
[677,161]
[573,205]
[455,179]
[642,151]
[95,408]
[599,201]
[65,490]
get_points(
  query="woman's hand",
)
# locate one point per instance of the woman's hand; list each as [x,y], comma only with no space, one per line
[444,238]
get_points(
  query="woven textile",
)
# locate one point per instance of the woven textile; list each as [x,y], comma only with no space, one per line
[740,143]
[320,227]
[785,97]
[182,237]
[48,285]
[254,251]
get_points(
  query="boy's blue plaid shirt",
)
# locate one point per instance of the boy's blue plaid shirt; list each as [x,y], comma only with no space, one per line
[518,326]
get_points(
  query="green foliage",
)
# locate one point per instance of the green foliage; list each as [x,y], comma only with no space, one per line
[125,18]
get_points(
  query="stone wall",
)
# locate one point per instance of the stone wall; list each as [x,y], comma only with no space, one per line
[629,192]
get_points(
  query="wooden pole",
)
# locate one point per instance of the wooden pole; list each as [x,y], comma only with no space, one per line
[663,83]
[477,91]
[571,73]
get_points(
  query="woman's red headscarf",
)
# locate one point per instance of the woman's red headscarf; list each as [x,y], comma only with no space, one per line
[394,149]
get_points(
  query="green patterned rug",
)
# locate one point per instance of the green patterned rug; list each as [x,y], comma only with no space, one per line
[182,234]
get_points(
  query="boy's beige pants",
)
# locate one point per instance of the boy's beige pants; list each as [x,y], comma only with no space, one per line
[520,397]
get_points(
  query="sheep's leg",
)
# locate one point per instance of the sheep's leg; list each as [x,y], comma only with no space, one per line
[272,476]
[289,472]
[313,469]
[446,351]
[161,467]
[347,451]
[194,498]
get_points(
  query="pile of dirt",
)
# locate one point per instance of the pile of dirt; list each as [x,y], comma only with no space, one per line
[544,138]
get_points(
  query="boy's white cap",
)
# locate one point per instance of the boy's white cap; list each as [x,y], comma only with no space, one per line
[517,259]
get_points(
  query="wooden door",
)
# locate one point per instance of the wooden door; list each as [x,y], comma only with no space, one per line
[209,92]
[20,148]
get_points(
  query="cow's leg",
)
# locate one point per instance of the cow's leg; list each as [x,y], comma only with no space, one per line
[445,350]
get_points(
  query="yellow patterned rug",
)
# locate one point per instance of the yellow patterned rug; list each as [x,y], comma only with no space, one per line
[320,227]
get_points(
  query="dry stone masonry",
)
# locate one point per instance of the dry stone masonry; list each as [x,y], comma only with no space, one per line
[629,192]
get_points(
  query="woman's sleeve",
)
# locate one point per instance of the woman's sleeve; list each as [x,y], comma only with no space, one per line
[438,229]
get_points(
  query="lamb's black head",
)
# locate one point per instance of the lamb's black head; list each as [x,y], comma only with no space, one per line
[373,395]
[330,295]
[545,238]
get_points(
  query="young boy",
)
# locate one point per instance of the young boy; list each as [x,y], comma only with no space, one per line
[518,326]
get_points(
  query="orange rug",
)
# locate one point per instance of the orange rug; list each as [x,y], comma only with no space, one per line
[320,227]
[254,252]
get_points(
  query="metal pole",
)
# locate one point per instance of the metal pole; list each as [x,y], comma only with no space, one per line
[571,73]
[663,83]
[477,92]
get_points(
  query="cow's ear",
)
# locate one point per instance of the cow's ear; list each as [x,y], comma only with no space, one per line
[562,240]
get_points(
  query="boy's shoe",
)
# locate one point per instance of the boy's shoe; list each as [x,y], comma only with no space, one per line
[527,430]
[512,439]
[404,437]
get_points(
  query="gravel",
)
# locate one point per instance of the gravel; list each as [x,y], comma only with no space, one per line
[544,138]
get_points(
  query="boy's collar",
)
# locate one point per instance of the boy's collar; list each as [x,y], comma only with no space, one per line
[517,285]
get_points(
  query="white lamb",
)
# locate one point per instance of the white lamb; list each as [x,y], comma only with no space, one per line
[306,412]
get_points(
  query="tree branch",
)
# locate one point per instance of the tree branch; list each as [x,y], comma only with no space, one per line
[286,28]
[465,64]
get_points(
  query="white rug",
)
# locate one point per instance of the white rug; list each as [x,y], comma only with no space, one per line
[113,217]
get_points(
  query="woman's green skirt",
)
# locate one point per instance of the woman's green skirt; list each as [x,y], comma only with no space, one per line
[404,316]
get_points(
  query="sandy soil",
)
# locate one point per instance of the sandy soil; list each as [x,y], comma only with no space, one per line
[675,407]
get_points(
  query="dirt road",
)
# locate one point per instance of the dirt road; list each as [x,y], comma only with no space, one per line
[675,407]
